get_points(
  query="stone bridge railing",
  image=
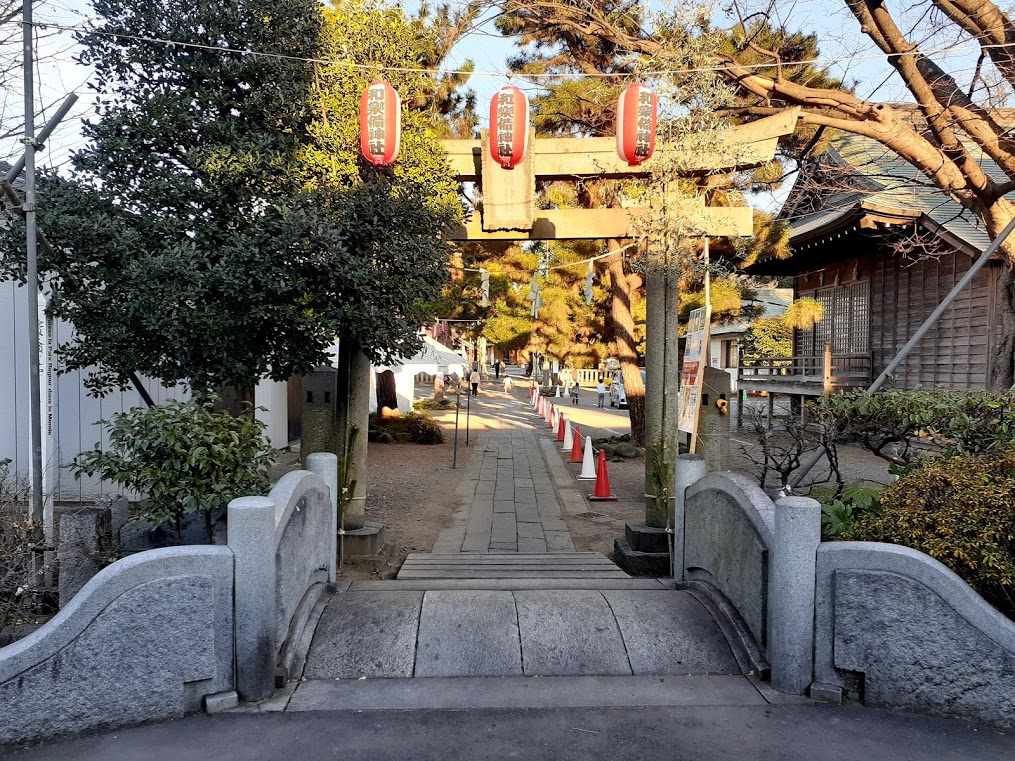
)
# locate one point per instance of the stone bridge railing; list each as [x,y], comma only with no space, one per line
[156,635]
[864,621]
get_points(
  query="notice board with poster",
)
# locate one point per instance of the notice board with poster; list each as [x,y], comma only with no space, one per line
[693,372]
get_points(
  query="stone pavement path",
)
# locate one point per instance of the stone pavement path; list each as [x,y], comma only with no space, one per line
[509,500]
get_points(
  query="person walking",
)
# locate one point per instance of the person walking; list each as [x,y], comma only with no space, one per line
[575,389]
[474,380]
[507,384]
[496,369]
[601,390]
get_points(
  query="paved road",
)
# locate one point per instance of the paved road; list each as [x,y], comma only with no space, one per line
[795,732]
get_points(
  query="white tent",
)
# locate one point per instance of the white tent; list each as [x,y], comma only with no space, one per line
[434,357]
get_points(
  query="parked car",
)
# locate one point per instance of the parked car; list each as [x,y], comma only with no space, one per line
[618,396]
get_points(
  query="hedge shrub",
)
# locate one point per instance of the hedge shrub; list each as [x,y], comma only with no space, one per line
[959,510]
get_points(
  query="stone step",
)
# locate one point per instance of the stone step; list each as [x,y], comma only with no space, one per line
[557,565]
[462,693]
[506,585]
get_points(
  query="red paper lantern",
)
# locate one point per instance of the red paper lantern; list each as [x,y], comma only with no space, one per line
[637,111]
[509,126]
[380,123]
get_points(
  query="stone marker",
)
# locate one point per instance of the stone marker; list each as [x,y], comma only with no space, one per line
[714,420]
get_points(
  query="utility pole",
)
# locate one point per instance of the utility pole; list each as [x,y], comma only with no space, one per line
[31,246]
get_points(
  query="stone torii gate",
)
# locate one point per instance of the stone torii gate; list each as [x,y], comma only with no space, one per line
[509,213]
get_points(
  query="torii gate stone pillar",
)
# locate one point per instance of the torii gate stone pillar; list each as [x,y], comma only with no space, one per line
[509,213]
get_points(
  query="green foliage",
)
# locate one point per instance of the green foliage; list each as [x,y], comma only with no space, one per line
[725,293]
[424,430]
[954,422]
[184,457]
[839,515]
[221,225]
[960,511]
[768,337]
[802,314]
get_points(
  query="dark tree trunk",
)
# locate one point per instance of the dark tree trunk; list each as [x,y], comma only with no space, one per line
[622,289]
[387,396]
[1003,376]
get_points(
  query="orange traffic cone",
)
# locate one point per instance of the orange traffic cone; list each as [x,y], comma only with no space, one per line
[602,492]
[543,411]
[568,437]
[576,446]
[560,428]
[551,422]
[532,390]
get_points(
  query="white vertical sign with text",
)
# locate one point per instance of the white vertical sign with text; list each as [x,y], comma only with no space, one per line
[693,371]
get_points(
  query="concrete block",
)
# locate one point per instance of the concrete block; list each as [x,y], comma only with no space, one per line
[468,634]
[690,469]
[221,701]
[84,534]
[569,633]
[670,633]
[363,542]
[826,693]
[654,564]
[371,634]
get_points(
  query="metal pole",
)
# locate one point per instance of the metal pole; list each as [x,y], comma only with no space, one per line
[468,414]
[31,248]
[917,337]
[44,134]
[458,406]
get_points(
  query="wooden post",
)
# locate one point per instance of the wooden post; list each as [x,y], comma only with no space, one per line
[826,375]
[771,408]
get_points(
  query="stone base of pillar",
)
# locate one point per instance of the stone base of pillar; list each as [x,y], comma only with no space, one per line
[635,563]
[366,542]
[642,538]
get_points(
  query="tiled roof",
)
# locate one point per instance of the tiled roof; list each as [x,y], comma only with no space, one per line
[896,187]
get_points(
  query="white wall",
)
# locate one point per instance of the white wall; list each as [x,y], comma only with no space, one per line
[76,415]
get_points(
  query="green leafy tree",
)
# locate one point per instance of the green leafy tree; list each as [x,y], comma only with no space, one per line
[221,226]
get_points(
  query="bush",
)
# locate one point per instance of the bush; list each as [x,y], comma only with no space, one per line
[184,458]
[413,427]
[423,429]
[959,510]
[890,423]
[20,585]
[430,404]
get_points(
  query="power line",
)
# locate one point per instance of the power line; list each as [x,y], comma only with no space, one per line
[576,75]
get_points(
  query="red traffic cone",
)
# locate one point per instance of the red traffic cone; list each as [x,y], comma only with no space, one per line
[543,411]
[560,428]
[576,446]
[530,393]
[602,492]
[551,422]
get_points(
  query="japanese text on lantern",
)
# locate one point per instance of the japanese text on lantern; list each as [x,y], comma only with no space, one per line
[643,140]
[375,120]
[505,123]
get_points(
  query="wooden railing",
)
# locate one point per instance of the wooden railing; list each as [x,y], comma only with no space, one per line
[827,371]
